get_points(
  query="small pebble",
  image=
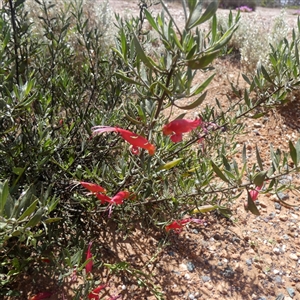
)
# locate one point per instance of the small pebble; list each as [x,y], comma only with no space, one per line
[286,237]
[283,218]
[276,250]
[191,296]
[228,272]
[190,266]
[257,125]
[272,215]
[283,196]
[277,206]
[293,256]
[249,262]
[278,279]
[205,278]
[297,287]
[291,291]
[187,276]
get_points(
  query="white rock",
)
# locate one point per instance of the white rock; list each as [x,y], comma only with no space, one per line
[293,256]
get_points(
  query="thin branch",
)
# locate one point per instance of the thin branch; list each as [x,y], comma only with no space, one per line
[16,46]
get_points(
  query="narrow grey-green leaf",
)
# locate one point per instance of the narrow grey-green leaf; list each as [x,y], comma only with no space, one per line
[293,153]
[127,79]
[140,52]
[191,4]
[202,62]
[258,115]
[244,154]
[251,205]
[266,75]
[35,219]
[28,211]
[246,79]
[196,103]
[258,158]
[298,150]
[124,45]
[52,220]
[4,192]
[259,178]
[219,172]
[196,18]
[151,20]
[199,88]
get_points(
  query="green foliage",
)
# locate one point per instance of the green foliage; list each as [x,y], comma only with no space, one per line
[59,79]
[254,44]
[233,4]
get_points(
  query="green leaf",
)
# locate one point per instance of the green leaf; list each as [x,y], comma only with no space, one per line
[246,98]
[224,39]
[4,193]
[127,79]
[266,75]
[244,154]
[226,163]
[219,172]
[191,4]
[260,178]
[204,209]
[196,18]
[199,88]
[170,164]
[35,219]
[226,212]
[52,220]
[140,53]
[293,153]
[124,45]
[202,62]
[298,150]
[214,29]
[18,170]
[251,205]
[176,40]
[258,115]
[246,79]
[28,211]
[151,20]
[195,103]
[258,158]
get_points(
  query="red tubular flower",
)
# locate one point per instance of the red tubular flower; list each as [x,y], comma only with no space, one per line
[40,296]
[94,294]
[89,265]
[177,127]
[135,140]
[119,197]
[92,187]
[177,225]
[103,198]
[254,193]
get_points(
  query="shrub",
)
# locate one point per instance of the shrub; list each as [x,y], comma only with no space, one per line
[61,85]
[254,44]
[233,4]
